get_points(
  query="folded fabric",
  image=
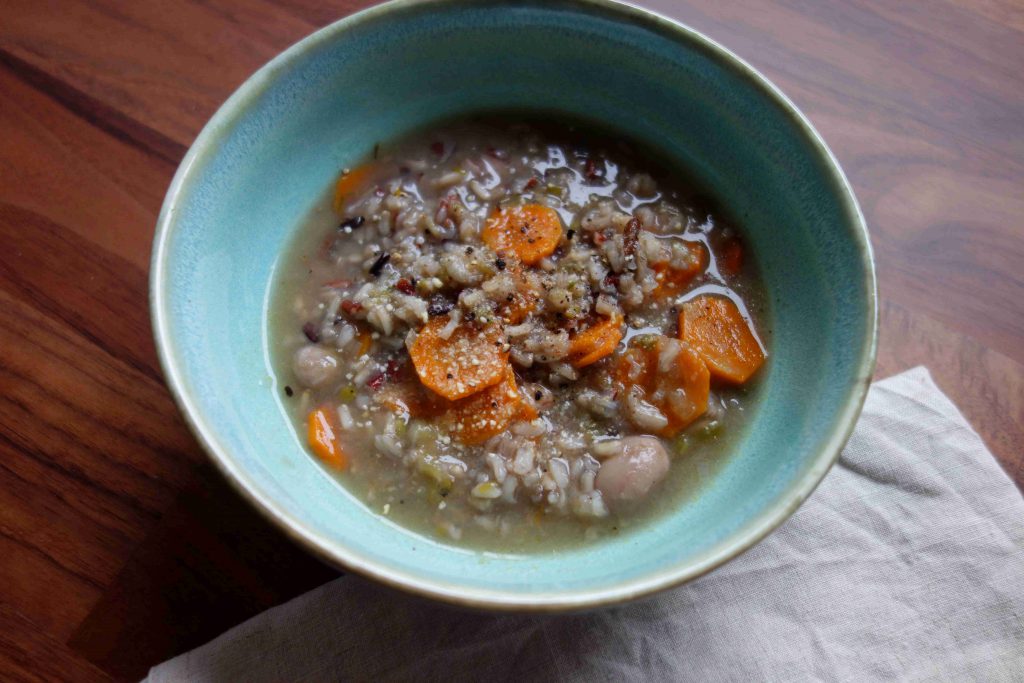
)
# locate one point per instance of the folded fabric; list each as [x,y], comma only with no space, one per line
[907,563]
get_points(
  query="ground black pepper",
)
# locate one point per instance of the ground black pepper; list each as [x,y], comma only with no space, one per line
[379,264]
[439,305]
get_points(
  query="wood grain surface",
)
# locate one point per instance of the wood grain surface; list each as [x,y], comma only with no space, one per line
[120,546]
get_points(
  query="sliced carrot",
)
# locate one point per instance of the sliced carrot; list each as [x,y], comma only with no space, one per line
[730,261]
[349,183]
[471,420]
[637,364]
[672,278]
[475,419]
[323,435]
[468,361]
[715,327]
[595,342]
[527,410]
[679,392]
[686,388]
[528,232]
[364,343]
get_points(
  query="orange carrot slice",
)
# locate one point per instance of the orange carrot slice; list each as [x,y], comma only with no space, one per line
[364,342]
[527,409]
[672,278]
[349,183]
[475,419]
[468,361]
[595,342]
[680,392]
[528,232]
[637,364]
[686,389]
[471,420]
[715,327]
[323,435]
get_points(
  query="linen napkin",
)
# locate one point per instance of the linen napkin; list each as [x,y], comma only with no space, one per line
[907,563]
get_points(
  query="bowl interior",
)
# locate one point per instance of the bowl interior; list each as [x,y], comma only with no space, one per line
[277,144]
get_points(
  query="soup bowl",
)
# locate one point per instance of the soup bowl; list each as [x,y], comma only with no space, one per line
[273,148]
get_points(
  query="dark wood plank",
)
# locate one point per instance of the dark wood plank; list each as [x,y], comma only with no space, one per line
[212,563]
[92,449]
[92,453]
[162,66]
[92,111]
[84,179]
[28,655]
[986,385]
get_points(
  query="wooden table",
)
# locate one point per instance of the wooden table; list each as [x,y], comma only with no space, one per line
[120,546]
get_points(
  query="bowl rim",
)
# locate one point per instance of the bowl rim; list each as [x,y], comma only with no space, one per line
[336,553]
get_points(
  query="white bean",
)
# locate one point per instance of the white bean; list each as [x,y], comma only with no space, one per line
[634,472]
[314,366]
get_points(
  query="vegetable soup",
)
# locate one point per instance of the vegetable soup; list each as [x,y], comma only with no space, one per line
[518,335]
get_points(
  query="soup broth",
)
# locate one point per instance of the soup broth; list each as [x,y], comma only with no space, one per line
[517,335]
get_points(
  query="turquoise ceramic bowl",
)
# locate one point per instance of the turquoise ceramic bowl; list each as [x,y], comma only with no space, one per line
[278,142]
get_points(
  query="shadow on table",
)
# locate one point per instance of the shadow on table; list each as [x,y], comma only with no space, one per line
[213,562]
[210,563]
[352,629]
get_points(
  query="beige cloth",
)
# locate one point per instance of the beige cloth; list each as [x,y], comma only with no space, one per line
[907,563]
